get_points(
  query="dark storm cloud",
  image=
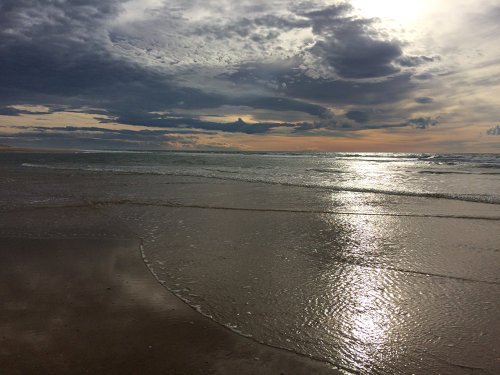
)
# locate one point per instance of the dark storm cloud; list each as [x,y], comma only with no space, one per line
[361,58]
[350,46]
[55,48]
[62,54]
[325,91]
[48,64]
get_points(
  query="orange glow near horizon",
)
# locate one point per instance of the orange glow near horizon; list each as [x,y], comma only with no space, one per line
[440,138]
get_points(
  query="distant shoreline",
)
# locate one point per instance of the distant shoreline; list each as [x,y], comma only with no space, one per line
[14,149]
[6,148]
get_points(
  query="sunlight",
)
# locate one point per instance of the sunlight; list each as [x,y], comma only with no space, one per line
[390,11]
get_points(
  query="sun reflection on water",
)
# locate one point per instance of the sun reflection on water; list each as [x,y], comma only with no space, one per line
[369,320]
[368,312]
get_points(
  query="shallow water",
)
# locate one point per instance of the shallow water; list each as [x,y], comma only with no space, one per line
[369,293]
[385,264]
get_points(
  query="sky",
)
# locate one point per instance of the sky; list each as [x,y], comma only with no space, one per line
[360,75]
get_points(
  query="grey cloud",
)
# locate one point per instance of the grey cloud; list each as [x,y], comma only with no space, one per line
[423,122]
[56,22]
[361,58]
[325,91]
[358,116]
[94,137]
[424,100]
[121,132]
[412,61]
[419,123]
[285,104]
[424,76]
[322,18]
[62,54]
[9,111]
[183,122]
[76,74]
[494,130]
[281,23]
[292,82]
[350,45]
[244,27]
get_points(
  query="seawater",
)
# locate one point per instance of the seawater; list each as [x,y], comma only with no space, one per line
[473,177]
[377,263]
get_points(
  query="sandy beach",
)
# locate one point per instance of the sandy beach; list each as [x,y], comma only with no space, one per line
[77,298]
[93,244]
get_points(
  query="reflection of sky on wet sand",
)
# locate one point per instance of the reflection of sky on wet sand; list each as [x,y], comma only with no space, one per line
[81,301]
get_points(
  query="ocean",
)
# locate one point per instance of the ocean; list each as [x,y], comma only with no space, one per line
[379,263]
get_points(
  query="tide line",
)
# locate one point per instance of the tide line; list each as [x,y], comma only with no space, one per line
[253,209]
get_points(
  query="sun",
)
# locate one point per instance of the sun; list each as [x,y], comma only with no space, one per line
[391,12]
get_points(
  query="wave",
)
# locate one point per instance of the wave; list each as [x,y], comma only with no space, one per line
[325,170]
[459,172]
[228,325]
[476,198]
[219,170]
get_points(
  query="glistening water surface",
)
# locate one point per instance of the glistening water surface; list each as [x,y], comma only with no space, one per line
[378,263]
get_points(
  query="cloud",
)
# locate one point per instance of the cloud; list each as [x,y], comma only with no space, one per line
[239,126]
[358,116]
[424,100]
[413,61]
[390,90]
[423,122]
[120,132]
[9,111]
[350,45]
[91,137]
[424,76]
[128,61]
[12,111]
[494,130]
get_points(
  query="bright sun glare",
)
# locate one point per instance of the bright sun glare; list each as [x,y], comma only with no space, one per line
[390,11]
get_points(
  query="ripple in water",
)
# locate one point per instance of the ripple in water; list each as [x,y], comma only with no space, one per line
[353,290]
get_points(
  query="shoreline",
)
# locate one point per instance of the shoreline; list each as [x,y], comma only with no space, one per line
[28,150]
[87,303]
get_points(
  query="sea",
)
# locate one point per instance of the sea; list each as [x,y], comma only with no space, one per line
[379,263]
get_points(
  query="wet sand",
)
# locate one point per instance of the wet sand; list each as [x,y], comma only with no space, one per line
[80,300]
[76,296]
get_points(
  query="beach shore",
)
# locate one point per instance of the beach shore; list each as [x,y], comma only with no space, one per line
[77,298]
[374,283]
